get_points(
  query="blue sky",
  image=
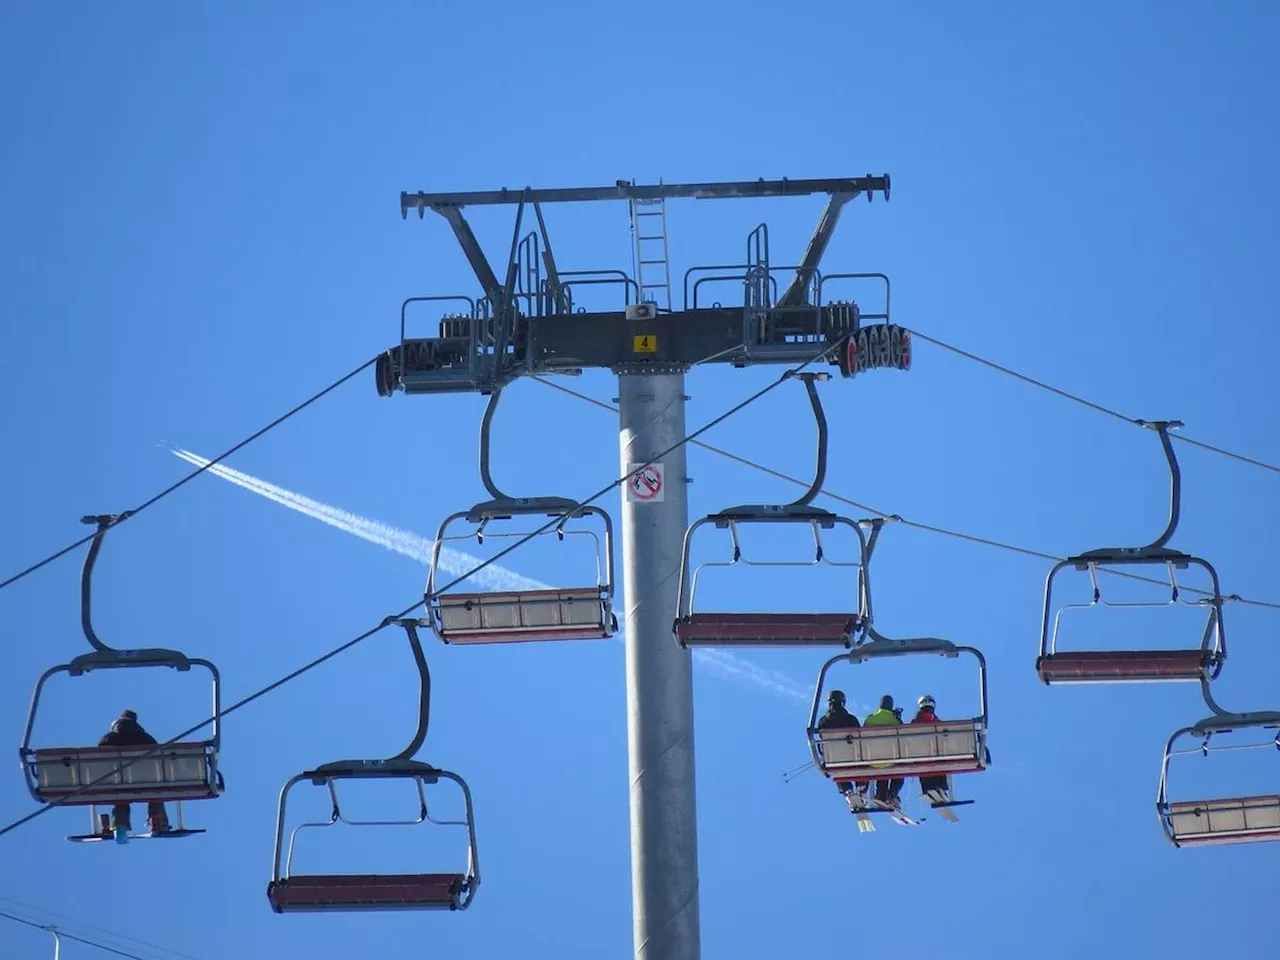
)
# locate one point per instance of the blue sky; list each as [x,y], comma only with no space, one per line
[202,228]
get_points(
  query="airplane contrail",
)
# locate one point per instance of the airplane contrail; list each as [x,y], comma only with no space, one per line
[457,562]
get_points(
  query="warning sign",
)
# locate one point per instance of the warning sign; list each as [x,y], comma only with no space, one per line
[645,483]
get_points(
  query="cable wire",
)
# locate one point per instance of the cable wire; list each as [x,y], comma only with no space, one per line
[898,518]
[1089,403]
[52,928]
[387,621]
[1226,453]
[191,476]
[93,927]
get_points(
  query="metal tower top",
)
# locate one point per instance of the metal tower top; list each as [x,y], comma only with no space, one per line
[528,324]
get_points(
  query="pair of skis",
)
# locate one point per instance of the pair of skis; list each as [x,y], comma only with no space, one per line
[860,806]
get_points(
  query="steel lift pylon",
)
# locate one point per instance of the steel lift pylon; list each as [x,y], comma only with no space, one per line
[526,323]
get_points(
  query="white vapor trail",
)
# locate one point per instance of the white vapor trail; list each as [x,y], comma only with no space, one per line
[456,562]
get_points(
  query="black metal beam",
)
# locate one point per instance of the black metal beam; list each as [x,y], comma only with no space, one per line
[570,343]
[553,275]
[475,256]
[622,190]
[795,293]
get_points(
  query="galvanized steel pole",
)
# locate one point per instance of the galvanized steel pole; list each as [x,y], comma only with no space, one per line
[655,514]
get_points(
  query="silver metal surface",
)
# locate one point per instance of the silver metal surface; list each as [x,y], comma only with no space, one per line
[664,841]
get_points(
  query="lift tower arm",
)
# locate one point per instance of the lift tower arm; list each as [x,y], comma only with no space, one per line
[623,190]
[471,247]
[795,294]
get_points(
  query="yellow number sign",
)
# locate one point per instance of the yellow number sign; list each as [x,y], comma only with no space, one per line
[644,343]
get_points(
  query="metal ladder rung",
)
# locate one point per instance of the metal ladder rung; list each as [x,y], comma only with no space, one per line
[653,290]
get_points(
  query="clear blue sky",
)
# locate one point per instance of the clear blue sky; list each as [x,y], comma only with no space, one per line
[202,227]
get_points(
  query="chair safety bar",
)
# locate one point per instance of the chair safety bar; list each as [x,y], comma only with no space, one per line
[1214,822]
[522,616]
[910,750]
[175,771]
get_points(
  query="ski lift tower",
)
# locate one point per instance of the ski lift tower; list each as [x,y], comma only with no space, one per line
[525,323]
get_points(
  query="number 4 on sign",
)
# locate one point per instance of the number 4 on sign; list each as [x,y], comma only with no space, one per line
[645,483]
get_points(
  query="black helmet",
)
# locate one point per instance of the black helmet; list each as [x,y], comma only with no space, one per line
[886,702]
[129,715]
[836,696]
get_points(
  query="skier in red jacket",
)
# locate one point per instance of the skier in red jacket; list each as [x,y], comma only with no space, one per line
[934,788]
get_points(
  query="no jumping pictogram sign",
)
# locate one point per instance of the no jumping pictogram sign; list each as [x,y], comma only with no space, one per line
[645,483]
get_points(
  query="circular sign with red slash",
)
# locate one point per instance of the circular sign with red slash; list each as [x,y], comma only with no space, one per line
[645,483]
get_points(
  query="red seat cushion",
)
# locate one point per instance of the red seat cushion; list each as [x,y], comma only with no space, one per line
[366,890]
[1124,665]
[780,628]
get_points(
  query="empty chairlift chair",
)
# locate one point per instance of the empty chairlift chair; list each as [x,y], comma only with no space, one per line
[462,616]
[290,891]
[1167,664]
[89,776]
[839,628]
[1217,819]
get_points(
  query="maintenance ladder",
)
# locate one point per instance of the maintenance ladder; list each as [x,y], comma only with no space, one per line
[649,234]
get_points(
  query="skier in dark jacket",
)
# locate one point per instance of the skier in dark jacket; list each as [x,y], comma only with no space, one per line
[935,788]
[127,732]
[838,717]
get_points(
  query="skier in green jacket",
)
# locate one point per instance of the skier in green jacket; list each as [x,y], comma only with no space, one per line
[887,790]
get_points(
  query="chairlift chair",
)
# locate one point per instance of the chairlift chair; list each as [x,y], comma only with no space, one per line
[1220,820]
[747,629]
[940,749]
[521,615]
[92,775]
[292,892]
[1136,666]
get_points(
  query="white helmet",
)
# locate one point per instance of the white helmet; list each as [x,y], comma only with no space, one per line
[925,701]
